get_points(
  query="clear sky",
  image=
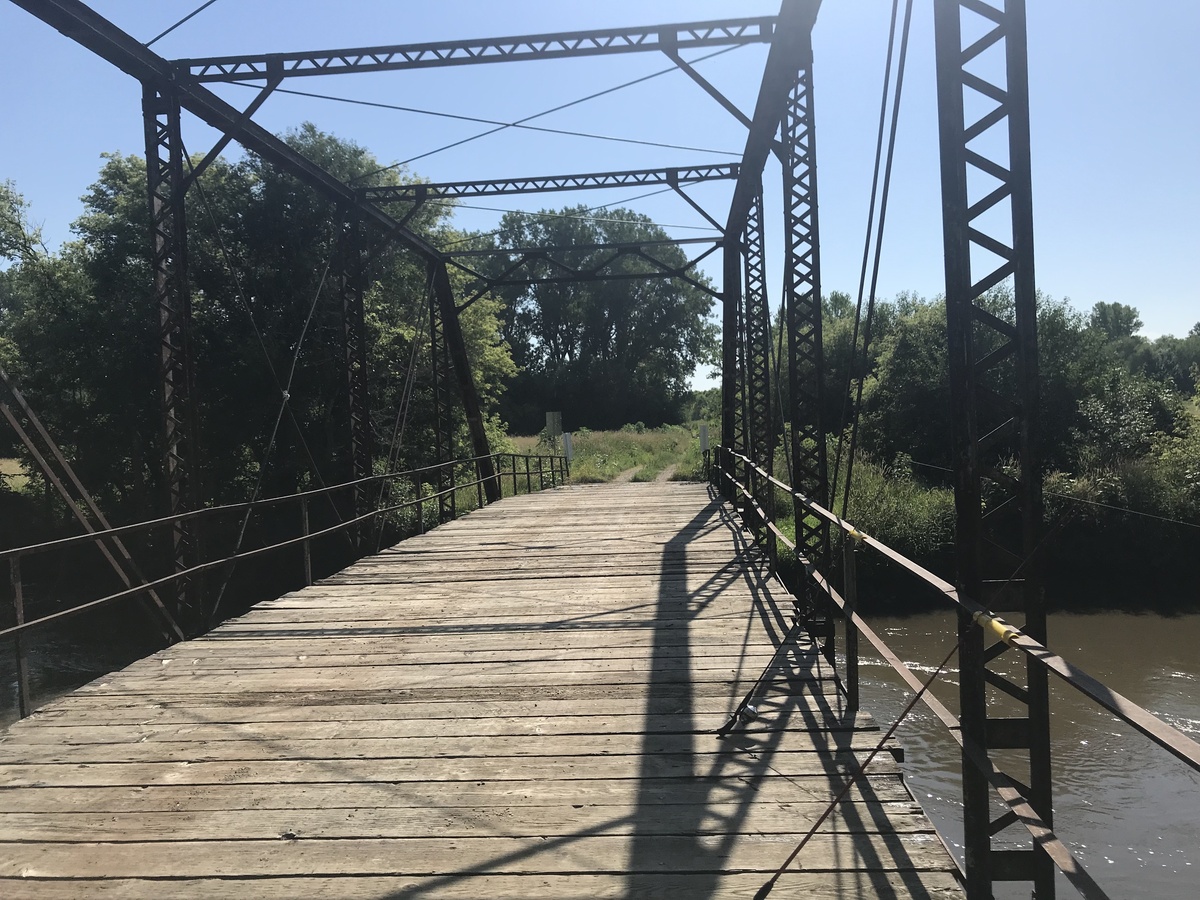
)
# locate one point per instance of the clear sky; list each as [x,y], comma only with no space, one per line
[1114,94]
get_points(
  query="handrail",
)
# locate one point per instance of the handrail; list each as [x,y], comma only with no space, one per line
[1161,733]
[1169,738]
[555,473]
[244,506]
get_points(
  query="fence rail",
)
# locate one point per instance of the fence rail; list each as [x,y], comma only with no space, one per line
[742,480]
[513,474]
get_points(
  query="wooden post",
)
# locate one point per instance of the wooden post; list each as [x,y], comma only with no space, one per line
[23,704]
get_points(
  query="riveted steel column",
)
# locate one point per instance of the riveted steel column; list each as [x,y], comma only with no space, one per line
[352,283]
[988,232]
[759,421]
[802,299]
[443,413]
[731,302]
[172,301]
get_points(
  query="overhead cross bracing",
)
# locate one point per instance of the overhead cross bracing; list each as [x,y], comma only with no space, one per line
[547,183]
[673,38]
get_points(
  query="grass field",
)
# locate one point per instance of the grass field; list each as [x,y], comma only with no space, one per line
[639,454]
[13,474]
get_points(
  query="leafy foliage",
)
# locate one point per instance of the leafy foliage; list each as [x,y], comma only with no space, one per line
[604,352]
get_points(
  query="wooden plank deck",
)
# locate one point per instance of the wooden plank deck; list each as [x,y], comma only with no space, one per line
[517,704]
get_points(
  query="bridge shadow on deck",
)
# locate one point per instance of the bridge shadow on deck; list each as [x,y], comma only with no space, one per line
[711,807]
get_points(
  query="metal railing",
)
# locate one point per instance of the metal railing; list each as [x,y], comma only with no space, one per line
[393,494]
[728,466]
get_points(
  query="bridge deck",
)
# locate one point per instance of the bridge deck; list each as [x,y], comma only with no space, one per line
[518,704]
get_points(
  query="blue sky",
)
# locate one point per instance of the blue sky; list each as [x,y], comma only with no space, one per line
[1115,123]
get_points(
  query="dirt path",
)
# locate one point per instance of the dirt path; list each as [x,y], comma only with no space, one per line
[627,476]
[666,474]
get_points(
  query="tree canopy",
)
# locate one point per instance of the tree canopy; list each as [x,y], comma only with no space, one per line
[608,351]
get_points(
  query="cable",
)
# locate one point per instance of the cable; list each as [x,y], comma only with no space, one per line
[316,470]
[1073,499]
[445,115]
[866,254]
[608,205]
[550,215]
[547,112]
[859,772]
[887,180]
[401,423]
[194,12]
[284,406]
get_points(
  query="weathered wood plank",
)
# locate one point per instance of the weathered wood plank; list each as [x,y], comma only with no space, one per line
[535,722]
[467,886]
[494,853]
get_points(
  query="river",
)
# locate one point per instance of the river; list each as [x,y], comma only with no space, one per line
[1129,810]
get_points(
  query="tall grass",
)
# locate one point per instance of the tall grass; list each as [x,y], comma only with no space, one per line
[603,455]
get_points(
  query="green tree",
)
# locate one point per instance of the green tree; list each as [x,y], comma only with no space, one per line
[79,329]
[606,352]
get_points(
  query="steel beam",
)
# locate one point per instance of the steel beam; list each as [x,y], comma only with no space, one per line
[557,271]
[984,135]
[731,292]
[802,301]
[172,301]
[351,284]
[91,30]
[498,187]
[560,45]
[460,365]
[791,43]
[443,416]
[760,431]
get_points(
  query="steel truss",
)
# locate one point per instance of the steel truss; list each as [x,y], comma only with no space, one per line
[166,95]
[802,301]
[352,283]
[559,268]
[993,375]
[538,184]
[443,426]
[561,45]
[760,431]
[172,299]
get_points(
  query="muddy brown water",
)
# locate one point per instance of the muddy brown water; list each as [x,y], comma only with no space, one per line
[1130,810]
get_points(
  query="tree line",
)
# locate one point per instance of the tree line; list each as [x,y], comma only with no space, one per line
[78,330]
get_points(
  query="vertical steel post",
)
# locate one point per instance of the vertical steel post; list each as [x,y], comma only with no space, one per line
[731,301]
[352,286]
[458,364]
[760,431]
[24,705]
[172,300]
[985,162]
[305,529]
[850,587]
[802,298]
[443,417]
[528,477]
[418,495]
